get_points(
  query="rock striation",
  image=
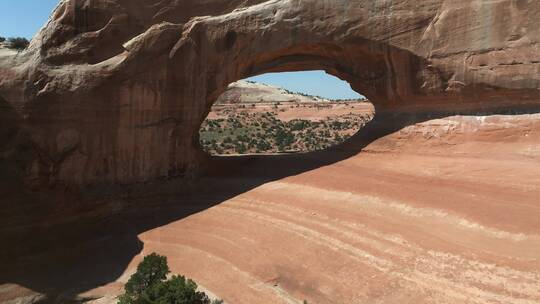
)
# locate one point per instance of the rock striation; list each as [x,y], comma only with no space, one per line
[115,91]
[441,206]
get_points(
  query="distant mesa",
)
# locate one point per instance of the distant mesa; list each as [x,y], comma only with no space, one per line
[246,91]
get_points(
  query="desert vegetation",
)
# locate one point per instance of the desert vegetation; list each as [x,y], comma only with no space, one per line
[253,118]
[264,132]
[17,43]
[150,285]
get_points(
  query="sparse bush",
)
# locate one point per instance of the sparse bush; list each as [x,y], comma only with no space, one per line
[284,139]
[153,269]
[150,285]
[18,43]
[2,39]
[243,138]
[263,146]
[241,148]
[243,132]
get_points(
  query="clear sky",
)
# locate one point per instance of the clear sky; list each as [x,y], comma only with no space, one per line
[24,18]
[312,82]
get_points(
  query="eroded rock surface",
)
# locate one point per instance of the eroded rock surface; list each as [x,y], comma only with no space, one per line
[131,81]
[440,207]
[443,211]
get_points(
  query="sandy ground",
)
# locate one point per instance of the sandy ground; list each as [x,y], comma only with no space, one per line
[287,111]
[446,211]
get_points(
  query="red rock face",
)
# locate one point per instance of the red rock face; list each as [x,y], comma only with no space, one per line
[437,208]
[114,91]
[443,211]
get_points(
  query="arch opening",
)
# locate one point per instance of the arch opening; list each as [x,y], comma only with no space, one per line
[284,112]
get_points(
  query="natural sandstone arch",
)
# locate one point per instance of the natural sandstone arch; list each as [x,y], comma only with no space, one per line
[114,91]
[287,112]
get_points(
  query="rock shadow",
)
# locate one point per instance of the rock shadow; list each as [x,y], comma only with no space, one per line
[63,260]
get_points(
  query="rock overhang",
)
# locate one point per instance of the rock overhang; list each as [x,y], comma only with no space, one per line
[134,80]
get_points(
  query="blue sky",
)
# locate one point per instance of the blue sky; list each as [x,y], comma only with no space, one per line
[24,18]
[312,82]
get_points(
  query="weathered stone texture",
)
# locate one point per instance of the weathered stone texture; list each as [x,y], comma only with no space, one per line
[115,90]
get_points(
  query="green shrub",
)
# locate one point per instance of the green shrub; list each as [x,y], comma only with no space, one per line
[240,148]
[153,269]
[176,290]
[2,39]
[18,43]
[149,285]
[284,137]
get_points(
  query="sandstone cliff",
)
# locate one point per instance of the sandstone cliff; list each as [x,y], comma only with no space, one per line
[115,91]
[437,208]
